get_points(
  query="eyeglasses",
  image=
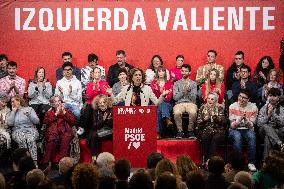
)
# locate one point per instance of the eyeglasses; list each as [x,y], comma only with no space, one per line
[243,97]
[70,69]
[238,58]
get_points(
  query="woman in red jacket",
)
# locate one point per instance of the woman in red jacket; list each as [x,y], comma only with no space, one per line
[158,85]
[59,122]
[96,87]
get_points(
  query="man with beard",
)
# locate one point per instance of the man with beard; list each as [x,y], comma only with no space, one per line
[113,71]
[185,92]
[271,123]
[12,84]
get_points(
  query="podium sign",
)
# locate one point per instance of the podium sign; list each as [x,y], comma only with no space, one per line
[134,133]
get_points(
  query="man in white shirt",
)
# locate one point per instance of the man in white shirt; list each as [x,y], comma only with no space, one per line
[69,88]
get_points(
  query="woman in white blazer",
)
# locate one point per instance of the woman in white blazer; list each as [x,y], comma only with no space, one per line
[137,93]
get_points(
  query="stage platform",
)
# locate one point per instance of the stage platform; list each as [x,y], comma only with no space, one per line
[170,148]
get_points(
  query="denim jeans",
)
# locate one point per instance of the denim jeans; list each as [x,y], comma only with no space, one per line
[236,135]
[74,109]
[163,111]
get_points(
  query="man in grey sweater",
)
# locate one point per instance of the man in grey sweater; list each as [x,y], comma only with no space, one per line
[271,123]
[185,92]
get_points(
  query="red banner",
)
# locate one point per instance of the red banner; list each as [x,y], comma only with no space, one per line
[36,33]
[134,133]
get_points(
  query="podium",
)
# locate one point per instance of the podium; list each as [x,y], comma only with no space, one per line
[134,133]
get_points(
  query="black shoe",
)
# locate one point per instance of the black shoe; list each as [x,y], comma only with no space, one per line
[191,135]
[180,135]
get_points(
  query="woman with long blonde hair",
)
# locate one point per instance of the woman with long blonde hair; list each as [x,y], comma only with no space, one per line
[213,84]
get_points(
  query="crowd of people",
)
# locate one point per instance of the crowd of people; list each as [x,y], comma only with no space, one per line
[80,106]
[105,172]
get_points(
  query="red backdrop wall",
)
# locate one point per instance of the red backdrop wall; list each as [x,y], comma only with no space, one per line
[31,49]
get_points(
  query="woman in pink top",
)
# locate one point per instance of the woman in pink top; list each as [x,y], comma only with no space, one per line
[96,87]
[158,85]
[214,85]
[175,73]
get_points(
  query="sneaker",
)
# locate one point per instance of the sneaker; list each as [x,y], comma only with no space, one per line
[282,147]
[251,167]
[180,135]
[191,135]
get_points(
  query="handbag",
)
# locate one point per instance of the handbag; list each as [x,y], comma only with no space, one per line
[104,133]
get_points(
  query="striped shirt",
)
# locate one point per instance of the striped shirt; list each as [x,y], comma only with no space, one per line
[5,84]
[236,112]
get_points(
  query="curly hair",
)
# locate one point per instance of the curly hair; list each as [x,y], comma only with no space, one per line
[274,165]
[132,72]
[85,176]
[185,165]
[155,56]
[95,103]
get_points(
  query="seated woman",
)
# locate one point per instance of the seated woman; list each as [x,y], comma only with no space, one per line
[23,120]
[213,84]
[272,82]
[96,87]
[101,116]
[39,92]
[210,125]
[156,61]
[5,139]
[122,76]
[260,75]
[136,93]
[175,73]
[158,85]
[59,122]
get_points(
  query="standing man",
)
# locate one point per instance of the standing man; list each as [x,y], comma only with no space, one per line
[113,70]
[69,88]
[185,92]
[3,65]
[12,84]
[67,57]
[242,116]
[202,71]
